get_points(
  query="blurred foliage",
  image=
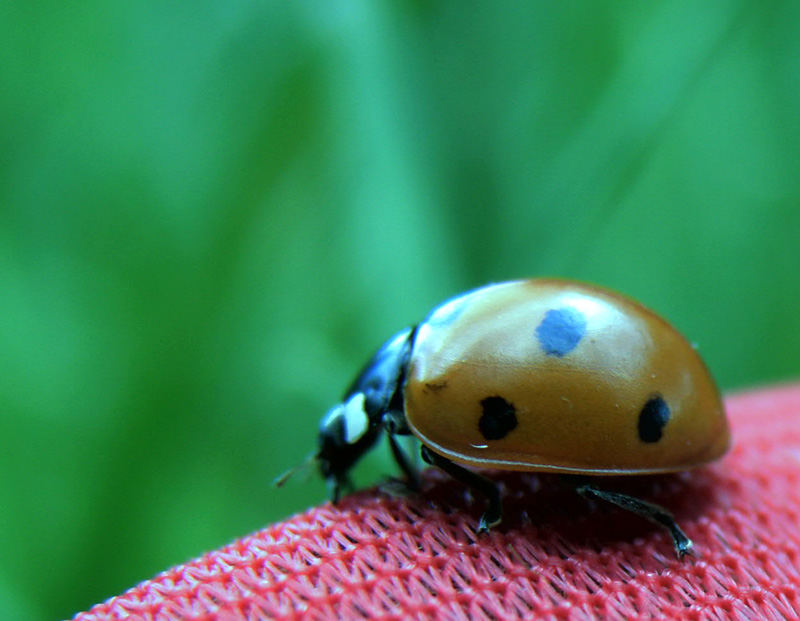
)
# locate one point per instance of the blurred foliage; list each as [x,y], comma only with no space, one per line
[212,213]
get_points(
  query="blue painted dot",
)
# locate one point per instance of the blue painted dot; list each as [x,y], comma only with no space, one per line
[561,330]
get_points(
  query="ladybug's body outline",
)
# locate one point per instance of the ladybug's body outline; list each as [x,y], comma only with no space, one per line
[535,375]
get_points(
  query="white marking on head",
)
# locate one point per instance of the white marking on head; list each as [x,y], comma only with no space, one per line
[356,421]
[330,416]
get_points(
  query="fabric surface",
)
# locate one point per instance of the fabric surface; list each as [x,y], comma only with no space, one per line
[555,556]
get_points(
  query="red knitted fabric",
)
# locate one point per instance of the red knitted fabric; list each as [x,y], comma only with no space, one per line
[555,556]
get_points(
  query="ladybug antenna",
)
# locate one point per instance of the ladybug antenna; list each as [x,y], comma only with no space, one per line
[281,479]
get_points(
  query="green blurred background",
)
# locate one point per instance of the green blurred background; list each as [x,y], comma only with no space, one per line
[212,213]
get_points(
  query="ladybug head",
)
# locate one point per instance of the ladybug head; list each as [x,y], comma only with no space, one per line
[345,434]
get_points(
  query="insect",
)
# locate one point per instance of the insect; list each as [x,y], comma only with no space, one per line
[535,375]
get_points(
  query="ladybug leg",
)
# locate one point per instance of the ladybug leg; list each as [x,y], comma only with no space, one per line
[494,513]
[395,425]
[648,510]
[335,486]
[409,470]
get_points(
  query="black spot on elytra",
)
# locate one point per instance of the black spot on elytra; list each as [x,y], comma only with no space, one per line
[652,419]
[561,330]
[498,419]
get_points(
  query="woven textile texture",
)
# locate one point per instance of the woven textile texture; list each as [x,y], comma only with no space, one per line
[555,556]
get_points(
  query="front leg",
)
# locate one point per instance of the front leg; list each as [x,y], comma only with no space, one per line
[395,424]
[494,513]
[335,486]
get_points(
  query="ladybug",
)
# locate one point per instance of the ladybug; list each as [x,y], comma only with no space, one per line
[536,375]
